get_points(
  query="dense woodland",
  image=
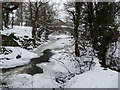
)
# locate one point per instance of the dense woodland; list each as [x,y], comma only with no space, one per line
[94,27]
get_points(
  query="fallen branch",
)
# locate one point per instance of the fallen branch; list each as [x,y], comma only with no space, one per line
[62,64]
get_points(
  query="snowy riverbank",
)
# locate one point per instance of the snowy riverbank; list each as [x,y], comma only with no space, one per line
[59,66]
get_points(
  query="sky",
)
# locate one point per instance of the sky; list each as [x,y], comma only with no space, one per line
[59,5]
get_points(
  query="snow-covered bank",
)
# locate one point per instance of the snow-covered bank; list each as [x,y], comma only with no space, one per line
[19,31]
[17,57]
[56,72]
[28,81]
[22,35]
[96,78]
[48,78]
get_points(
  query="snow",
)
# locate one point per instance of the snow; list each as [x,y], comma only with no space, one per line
[55,42]
[13,62]
[96,78]
[58,66]
[20,81]
[44,81]
[62,63]
[47,79]
[22,34]
[28,81]
[19,31]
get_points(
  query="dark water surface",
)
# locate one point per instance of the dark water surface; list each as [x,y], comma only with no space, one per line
[44,58]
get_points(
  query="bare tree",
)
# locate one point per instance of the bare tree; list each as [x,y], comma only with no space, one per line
[75,14]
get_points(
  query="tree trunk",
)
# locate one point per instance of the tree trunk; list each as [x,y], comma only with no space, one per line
[76,22]
[32,24]
[77,53]
[102,56]
[21,15]
[1,11]
[34,34]
[12,21]
[6,19]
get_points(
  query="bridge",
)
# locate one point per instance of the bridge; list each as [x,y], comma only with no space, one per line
[62,29]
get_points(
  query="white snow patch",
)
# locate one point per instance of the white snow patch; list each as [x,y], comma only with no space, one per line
[28,81]
[19,31]
[44,81]
[13,62]
[96,78]
[53,43]
[20,81]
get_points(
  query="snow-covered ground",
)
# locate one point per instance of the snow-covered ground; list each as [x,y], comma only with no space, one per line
[23,35]
[54,42]
[28,81]
[59,66]
[10,60]
[19,31]
[96,78]
[49,75]
[17,57]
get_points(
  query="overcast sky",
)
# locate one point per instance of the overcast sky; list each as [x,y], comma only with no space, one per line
[59,4]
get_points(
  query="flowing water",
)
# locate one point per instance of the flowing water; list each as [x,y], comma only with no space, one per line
[44,58]
[31,68]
